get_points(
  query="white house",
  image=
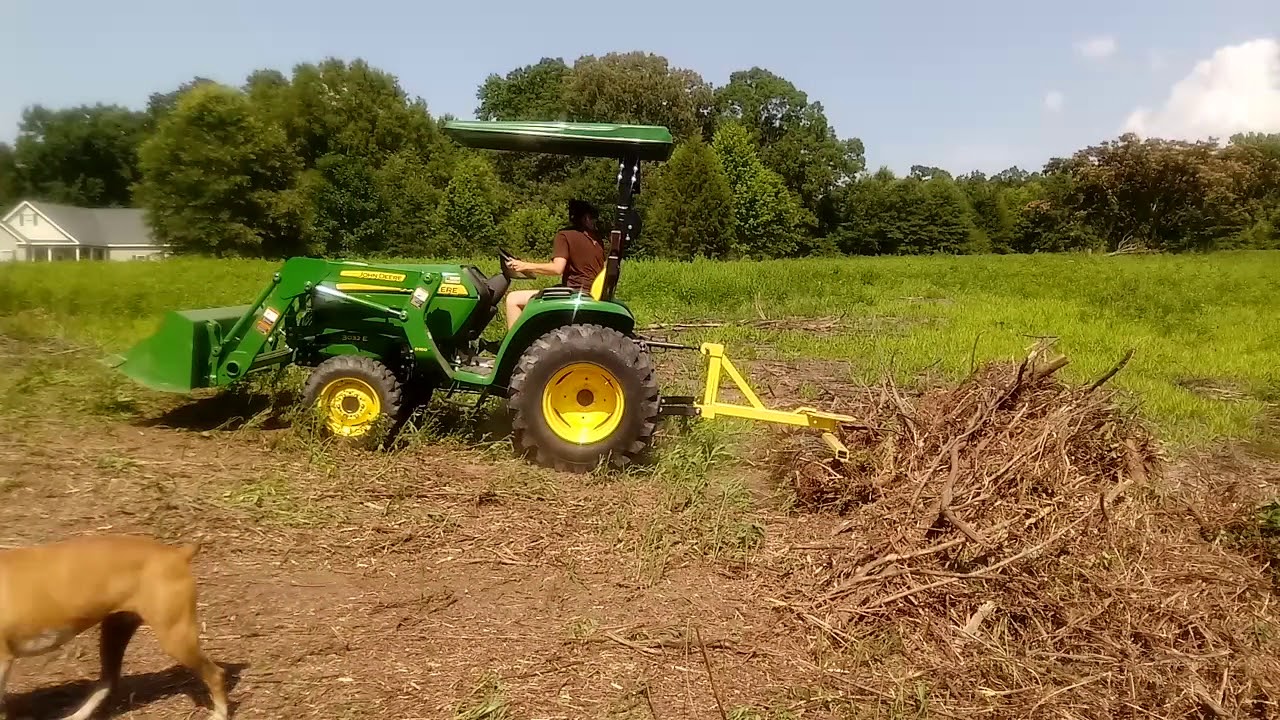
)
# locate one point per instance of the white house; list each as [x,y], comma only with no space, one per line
[45,232]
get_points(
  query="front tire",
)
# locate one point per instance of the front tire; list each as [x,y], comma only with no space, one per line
[354,395]
[582,395]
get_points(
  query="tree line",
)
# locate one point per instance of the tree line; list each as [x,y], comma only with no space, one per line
[336,158]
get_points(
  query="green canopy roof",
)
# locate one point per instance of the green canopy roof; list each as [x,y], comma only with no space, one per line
[650,142]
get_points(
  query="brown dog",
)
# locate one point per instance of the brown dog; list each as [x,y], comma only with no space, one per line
[51,593]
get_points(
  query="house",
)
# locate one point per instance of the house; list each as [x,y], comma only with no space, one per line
[45,232]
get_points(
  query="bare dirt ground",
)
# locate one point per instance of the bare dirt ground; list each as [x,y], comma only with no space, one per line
[440,581]
[418,585]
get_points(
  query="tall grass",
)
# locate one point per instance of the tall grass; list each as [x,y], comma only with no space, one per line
[1206,328]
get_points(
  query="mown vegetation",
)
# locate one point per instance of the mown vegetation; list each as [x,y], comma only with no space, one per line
[1204,327]
[337,159]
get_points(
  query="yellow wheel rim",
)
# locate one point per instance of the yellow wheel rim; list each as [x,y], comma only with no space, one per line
[350,406]
[583,403]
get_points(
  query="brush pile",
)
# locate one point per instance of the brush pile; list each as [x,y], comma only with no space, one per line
[1016,550]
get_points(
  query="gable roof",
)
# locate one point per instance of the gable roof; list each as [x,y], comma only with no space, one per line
[14,233]
[97,227]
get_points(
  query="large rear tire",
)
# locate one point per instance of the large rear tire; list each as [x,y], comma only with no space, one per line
[355,395]
[582,396]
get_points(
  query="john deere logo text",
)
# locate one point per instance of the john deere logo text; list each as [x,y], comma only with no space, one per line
[373,275]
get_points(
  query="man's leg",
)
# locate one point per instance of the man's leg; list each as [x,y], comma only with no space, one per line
[515,304]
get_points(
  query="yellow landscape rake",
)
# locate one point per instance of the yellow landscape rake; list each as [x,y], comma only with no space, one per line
[712,406]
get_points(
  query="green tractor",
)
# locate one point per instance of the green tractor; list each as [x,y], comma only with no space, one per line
[381,338]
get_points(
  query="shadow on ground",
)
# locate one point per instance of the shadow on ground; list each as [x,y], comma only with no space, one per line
[134,692]
[223,411]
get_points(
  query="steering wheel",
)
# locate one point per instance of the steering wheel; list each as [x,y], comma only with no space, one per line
[505,257]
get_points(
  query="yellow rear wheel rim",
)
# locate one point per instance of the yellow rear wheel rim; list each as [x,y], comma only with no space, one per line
[350,406]
[583,403]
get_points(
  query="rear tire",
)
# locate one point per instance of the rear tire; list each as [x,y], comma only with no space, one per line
[581,395]
[354,396]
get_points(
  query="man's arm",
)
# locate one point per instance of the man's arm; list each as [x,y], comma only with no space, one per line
[555,267]
[559,258]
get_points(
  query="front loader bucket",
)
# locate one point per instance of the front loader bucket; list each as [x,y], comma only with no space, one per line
[178,357]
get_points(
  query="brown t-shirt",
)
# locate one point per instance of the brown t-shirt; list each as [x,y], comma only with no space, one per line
[584,258]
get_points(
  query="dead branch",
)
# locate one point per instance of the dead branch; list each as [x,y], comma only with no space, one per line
[1112,372]
[715,690]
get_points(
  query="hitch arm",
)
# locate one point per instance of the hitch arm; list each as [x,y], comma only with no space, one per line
[711,405]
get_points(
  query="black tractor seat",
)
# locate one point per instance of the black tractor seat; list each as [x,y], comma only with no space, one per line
[491,290]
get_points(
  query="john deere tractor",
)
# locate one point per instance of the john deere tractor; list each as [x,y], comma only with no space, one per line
[381,338]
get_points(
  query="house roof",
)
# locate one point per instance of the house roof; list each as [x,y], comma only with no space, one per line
[14,233]
[98,226]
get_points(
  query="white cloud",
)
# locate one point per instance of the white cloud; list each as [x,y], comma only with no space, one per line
[1237,89]
[1097,48]
[1053,101]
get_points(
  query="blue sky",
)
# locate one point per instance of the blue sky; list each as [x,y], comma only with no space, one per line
[978,85]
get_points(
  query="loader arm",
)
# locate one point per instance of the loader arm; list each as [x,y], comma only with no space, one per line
[218,346]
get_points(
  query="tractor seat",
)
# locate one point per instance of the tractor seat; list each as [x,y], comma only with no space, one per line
[491,290]
[481,281]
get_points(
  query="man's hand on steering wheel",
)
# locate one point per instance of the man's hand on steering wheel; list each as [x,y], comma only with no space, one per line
[521,268]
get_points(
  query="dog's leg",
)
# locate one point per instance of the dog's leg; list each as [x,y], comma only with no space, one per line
[6,664]
[182,641]
[117,631]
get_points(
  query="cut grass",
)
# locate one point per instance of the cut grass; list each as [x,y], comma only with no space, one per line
[1206,317]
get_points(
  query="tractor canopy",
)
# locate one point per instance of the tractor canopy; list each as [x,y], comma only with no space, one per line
[642,142]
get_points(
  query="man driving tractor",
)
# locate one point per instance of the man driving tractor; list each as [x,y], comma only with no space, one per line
[577,256]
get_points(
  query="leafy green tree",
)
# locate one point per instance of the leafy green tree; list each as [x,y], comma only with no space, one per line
[768,219]
[467,216]
[908,216]
[410,191]
[374,161]
[530,231]
[340,108]
[794,139]
[217,179]
[943,217]
[265,84]
[9,191]
[690,212]
[991,215]
[638,87]
[348,213]
[1044,220]
[161,104]
[1157,194]
[532,92]
[867,224]
[84,155]
[1253,160]
[928,172]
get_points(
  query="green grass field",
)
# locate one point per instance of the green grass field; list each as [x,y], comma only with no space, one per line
[1206,329]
